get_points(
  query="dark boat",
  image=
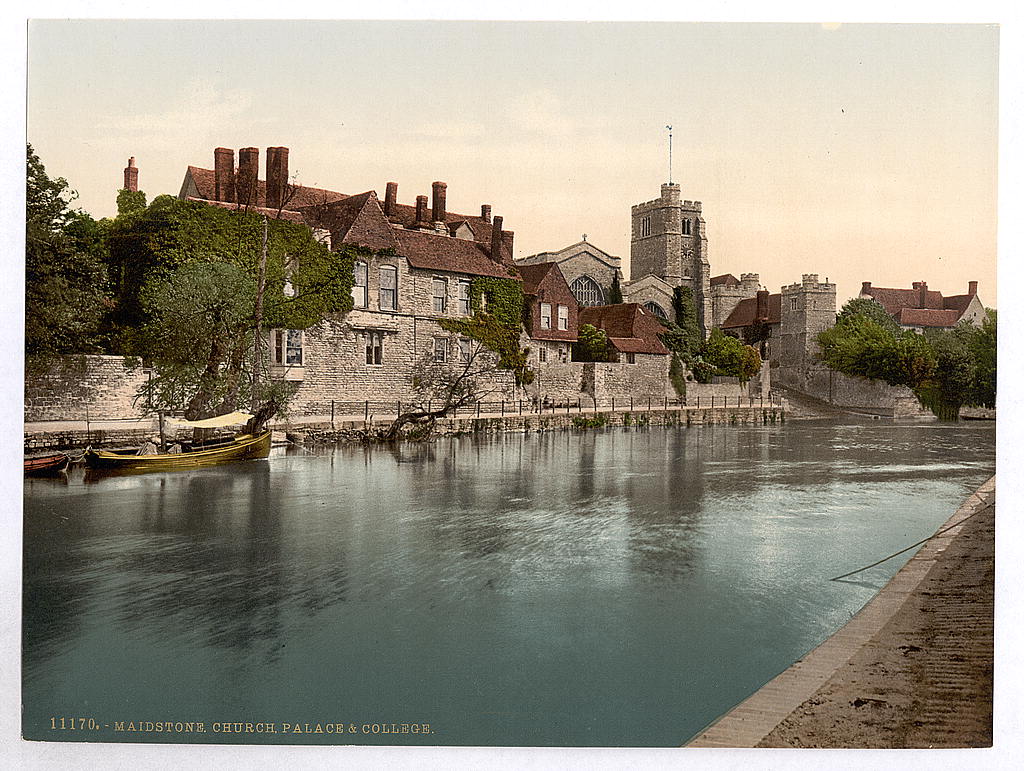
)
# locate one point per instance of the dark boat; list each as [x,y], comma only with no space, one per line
[239,447]
[52,463]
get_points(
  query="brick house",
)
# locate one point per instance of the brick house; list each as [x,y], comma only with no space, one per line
[551,315]
[921,308]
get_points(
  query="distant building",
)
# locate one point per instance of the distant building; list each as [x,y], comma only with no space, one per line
[632,331]
[552,313]
[588,270]
[727,291]
[921,308]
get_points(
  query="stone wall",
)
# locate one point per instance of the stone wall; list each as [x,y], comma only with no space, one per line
[79,386]
[855,393]
[646,379]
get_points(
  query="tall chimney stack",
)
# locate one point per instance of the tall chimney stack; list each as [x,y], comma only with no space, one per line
[972,288]
[923,295]
[496,239]
[865,286]
[762,305]
[440,193]
[224,175]
[421,211]
[277,176]
[248,176]
[390,199]
[485,212]
[131,176]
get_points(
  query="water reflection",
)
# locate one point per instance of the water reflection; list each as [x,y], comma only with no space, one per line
[567,576]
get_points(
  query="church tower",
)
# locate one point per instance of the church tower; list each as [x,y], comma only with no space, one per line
[669,240]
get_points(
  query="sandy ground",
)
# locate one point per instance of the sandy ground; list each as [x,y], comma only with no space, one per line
[925,679]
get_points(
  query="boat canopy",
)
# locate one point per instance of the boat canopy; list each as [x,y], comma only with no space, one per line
[231,419]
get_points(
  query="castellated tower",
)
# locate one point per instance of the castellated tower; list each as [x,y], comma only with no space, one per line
[669,241]
[807,309]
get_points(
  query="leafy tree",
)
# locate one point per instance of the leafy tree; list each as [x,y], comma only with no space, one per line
[950,384]
[869,309]
[130,202]
[65,274]
[615,292]
[981,343]
[591,344]
[729,356]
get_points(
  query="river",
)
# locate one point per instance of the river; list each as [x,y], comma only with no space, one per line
[618,587]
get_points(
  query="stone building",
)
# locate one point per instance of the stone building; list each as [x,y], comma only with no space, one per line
[922,308]
[669,241]
[727,291]
[589,271]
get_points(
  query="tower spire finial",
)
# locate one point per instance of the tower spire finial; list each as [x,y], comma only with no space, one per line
[669,154]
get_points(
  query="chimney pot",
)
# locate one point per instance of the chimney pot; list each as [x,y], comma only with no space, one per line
[923,295]
[421,210]
[439,189]
[485,212]
[496,239]
[248,176]
[224,174]
[390,199]
[131,176]
[865,286]
[972,288]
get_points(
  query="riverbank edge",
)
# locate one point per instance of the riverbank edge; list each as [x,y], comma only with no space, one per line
[753,719]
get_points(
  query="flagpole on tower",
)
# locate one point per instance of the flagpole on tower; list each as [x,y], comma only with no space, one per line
[669,154]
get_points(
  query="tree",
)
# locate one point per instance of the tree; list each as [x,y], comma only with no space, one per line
[981,342]
[591,344]
[615,292]
[440,388]
[869,309]
[729,356]
[66,296]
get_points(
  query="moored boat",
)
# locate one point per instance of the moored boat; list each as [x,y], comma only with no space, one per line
[52,463]
[237,448]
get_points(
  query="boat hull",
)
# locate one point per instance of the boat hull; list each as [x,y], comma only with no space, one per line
[46,464]
[243,447]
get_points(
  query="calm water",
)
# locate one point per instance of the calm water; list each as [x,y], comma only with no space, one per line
[622,587]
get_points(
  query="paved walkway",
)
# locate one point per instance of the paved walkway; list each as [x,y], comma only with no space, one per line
[912,669]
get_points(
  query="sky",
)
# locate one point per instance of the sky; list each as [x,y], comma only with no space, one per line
[860,152]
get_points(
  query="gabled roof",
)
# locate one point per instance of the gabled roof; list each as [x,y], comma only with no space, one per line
[745,312]
[534,275]
[573,250]
[726,279]
[453,255]
[906,307]
[299,196]
[629,327]
[895,300]
[359,220]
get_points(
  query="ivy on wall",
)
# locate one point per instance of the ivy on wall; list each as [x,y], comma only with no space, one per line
[497,305]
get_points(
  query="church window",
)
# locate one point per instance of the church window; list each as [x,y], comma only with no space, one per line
[687,226]
[645,226]
[587,291]
[656,309]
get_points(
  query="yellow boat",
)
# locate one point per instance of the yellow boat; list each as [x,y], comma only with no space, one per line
[240,447]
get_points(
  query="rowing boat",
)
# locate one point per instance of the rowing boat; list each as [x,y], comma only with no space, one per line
[240,447]
[46,464]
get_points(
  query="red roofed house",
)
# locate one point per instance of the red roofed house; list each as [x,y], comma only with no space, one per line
[632,330]
[921,308]
[424,259]
[552,313]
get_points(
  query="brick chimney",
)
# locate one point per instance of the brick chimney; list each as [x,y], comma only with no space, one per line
[972,288]
[496,239]
[277,177]
[131,176]
[762,305]
[224,175]
[390,199]
[864,287]
[421,212]
[248,176]
[485,212]
[440,192]
[922,295]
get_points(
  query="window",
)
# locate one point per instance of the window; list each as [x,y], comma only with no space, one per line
[291,265]
[440,295]
[545,315]
[656,309]
[792,303]
[465,349]
[542,354]
[388,287]
[374,347]
[630,358]
[464,298]
[563,354]
[563,316]
[286,347]
[441,349]
[359,285]
[645,226]
[587,291]
[687,225]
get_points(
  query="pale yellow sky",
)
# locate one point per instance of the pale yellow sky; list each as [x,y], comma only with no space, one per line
[858,152]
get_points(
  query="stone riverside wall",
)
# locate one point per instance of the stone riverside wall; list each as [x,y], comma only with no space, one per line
[855,393]
[73,387]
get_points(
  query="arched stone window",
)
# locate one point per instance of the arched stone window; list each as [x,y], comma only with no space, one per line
[657,310]
[587,291]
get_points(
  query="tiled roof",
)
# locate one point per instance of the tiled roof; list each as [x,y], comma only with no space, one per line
[726,279]
[627,323]
[454,255]
[534,275]
[895,300]
[957,302]
[301,196]
[745,312]
[290,216]
[928,317]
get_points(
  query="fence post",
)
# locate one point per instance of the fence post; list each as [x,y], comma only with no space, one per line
[712,401]
[613,404]
[666,404]
[478,408]
[520,406]
[698,401]
[366,410]
[399,406]
[332,414]
[631,402]
[502,408]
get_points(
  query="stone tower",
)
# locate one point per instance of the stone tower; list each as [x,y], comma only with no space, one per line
[807,309]
[669,241]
